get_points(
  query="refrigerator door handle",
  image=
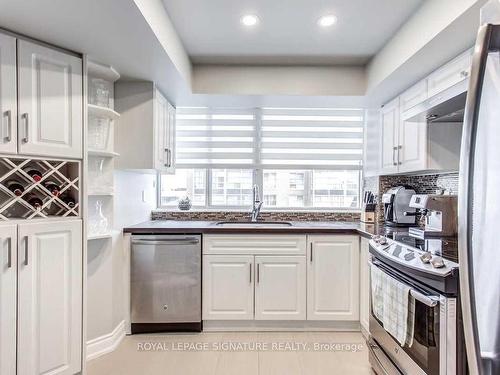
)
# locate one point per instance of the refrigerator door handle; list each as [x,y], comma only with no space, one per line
[488,39]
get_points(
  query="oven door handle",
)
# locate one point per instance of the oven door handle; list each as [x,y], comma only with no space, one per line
[430,301]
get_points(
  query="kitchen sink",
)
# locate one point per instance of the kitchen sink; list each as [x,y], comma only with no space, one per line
[254,224]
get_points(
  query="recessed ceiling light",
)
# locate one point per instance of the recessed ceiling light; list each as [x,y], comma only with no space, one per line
[327,21]
[249,20]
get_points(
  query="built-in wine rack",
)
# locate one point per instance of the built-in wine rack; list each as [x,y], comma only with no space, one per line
[63,202]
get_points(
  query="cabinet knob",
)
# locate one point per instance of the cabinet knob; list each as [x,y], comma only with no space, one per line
[165,307]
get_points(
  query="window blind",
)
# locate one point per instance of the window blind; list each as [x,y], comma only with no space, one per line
[215,138]
[271,138]
[312,138]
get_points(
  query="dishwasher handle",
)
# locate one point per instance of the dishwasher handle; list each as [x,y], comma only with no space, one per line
[166,241]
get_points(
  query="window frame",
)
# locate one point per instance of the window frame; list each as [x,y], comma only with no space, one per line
[258,169]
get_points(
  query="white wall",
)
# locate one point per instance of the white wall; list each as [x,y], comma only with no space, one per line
[107,274]
[279,80]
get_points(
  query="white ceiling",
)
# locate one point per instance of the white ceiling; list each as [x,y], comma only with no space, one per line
[287,34]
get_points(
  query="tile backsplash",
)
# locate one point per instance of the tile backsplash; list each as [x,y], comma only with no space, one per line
[265,215]
[422,184]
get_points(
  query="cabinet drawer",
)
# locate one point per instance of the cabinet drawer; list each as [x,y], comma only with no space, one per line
[413,96]
[452,73]
[254,244]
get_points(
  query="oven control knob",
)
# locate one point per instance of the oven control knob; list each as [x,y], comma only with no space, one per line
[437,262]
[426,257]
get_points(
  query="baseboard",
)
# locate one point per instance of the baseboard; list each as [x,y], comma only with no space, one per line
[106,343]
[277,326]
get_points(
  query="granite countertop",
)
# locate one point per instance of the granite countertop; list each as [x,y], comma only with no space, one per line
[317,227]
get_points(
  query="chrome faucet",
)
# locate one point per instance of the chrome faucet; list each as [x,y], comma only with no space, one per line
[257,204]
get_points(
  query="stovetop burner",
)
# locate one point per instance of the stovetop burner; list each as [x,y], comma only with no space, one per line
[446,247]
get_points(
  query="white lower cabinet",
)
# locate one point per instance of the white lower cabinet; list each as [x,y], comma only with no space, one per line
[8,295]
[333,277]
[228,287]
[281,277]
[364,285]
[280,288]
[49,315]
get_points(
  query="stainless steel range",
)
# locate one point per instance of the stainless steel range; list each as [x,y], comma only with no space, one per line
[428,270]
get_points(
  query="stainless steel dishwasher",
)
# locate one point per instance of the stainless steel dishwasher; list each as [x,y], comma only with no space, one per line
[165,283]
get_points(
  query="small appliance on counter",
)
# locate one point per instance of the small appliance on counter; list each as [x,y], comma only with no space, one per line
[368,209]
[397,210]
[440,213]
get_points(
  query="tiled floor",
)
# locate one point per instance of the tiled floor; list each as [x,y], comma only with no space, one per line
[341,353]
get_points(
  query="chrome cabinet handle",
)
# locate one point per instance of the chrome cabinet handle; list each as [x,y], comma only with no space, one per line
[8,137]
[311,252]
[26,127]
[168,164]
[250,264]
[9,252]
[258,273]
[399,151]
[394,155]
[26,251]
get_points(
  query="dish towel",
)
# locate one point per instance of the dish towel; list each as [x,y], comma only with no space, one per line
[392,306]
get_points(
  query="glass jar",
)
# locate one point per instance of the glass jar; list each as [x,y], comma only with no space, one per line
[100,92]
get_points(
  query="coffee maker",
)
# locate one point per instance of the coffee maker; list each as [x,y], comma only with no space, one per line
[440,213]
[397,210]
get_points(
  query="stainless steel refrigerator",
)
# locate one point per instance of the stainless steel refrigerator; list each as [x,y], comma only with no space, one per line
[479,207]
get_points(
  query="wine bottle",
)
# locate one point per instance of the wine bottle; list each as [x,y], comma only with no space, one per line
[70,202]
[34,173]
[53,187]
[15,187]
[34,201]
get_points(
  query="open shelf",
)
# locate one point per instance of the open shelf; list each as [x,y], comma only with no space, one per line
[99,111]
[101,193]
[63,174]
[102,71]
[104,153]
[92,237]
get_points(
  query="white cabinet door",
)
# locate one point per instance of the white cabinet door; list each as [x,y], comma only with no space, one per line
[228,287]
[333,277]
[280,288]
[364,285]
[160,133]
[50,298]
[450,74]
[389,136]
[8,95]
[8,295]
[413,96]
[50,119]
[170,137]
[412,148]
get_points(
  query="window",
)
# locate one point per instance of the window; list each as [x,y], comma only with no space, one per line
[300,158]
[232,187]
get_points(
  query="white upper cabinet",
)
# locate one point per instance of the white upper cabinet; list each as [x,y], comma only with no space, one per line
[50,118]
[333,277]
[8,95]
[457,70]
[50,298]
[389,118]
[164,134]
[280,288]
[147,125]
[8,298]
[228,287]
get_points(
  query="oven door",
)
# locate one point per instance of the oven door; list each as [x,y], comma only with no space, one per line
[433,351]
